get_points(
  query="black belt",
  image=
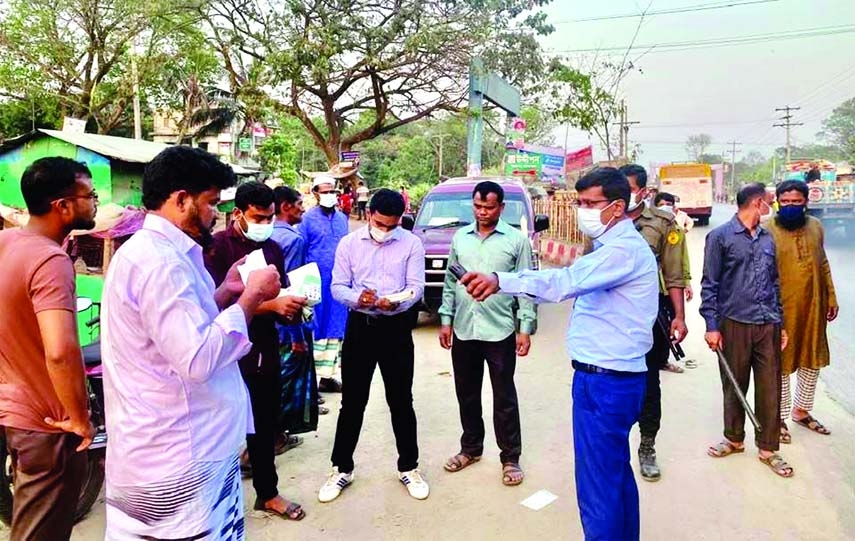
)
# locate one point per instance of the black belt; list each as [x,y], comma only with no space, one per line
[591,369]
[377,319]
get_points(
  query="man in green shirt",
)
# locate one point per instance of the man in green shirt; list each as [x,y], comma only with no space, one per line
[479,331]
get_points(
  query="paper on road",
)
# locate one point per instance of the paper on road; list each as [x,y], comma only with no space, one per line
[539,500]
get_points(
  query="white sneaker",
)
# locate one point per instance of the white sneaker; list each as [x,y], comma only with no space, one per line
[415,483]
[334,485]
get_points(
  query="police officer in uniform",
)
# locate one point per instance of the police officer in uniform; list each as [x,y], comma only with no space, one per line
[667,242]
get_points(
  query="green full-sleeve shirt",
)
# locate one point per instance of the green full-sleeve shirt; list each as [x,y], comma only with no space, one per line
[505,250]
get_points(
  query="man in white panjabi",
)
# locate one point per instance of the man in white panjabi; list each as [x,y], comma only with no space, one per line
[177,409]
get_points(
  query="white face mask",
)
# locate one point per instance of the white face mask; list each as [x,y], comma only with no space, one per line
[667,208]
[764,218]
[258,232]
[328,200]
[379,235]
[590,223]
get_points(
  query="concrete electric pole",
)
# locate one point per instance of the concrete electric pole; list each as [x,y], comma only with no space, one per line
[787,122]
[733,151]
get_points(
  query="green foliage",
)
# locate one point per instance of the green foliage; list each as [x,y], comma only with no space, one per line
[577,98]
[279,157]
[839,128]
[328,63]
[18,117]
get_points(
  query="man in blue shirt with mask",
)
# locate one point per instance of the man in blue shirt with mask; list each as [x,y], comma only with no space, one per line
[617,298]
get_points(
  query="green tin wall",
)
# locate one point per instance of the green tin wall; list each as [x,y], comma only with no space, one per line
[14,162]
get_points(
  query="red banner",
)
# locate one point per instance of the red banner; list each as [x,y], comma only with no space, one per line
[579,159]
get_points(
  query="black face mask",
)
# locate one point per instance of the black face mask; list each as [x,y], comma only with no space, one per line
[792,217]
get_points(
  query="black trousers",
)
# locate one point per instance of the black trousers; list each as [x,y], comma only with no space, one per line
[468,358]
[651,412]
[265,392]
[386,341]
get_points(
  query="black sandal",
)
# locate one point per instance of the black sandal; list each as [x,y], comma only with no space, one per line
[812,424]
[459,462]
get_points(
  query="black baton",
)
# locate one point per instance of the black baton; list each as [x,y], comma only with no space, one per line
[742,400]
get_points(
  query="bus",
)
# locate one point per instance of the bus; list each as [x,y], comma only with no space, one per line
[692,184]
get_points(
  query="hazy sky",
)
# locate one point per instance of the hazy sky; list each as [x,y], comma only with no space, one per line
[728,92]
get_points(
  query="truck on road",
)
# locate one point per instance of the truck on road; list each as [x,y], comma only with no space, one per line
[692,184]
[832,198]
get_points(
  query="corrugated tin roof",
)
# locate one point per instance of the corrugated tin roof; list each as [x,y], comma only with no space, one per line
[119,148]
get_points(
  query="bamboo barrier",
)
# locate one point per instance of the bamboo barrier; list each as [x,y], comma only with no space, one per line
[562,217]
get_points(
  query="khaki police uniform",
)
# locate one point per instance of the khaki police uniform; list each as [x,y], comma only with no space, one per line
[667,241]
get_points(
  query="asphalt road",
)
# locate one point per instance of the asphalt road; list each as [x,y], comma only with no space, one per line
[840,246]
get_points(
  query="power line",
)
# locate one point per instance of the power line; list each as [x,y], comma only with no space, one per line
[671,11]
[788,123]
[722,42]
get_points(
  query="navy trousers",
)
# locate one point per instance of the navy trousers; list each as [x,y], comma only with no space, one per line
[605,407]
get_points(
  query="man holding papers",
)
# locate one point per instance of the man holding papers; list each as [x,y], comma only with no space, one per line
[250,231]
[378,274]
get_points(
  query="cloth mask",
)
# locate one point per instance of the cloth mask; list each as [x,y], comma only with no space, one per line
[590,223]
[258,232]
[328,200]
[379,235]
[792,216]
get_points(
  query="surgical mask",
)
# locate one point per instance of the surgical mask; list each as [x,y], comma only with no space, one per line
[590,223]
[633,200]
[380,235]
[667,208]
[328,200]
[258,232]
[766,217]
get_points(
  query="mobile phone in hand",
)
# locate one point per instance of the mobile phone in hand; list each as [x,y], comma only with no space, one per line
[457,270]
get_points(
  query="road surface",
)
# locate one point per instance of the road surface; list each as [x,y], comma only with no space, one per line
[698,497]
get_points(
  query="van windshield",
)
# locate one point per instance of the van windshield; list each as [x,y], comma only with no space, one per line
[455,209]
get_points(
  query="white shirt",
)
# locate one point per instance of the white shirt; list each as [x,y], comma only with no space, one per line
[362,193]
[173,390]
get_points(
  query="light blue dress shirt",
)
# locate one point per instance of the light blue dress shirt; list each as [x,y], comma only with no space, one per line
[617,299]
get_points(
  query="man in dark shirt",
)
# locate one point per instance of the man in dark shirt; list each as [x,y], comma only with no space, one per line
[251,229]
[741,305]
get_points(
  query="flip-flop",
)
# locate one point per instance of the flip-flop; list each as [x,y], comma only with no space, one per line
[723,449]
[459,462]
[511,468]
[778,465]
[291,512]
[812,424]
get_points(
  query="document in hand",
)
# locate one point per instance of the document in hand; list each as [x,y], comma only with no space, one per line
[305,282]
[254,261]
[396,298]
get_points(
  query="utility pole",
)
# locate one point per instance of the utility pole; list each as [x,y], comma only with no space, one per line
[135,75]
[441,138]
[787,122]
[733,152]
[624,125]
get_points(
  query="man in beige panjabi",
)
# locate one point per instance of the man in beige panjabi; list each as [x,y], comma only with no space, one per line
[809,302]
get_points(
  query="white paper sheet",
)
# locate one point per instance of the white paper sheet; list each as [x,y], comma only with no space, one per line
[539,500]
[254,261]
[403,296]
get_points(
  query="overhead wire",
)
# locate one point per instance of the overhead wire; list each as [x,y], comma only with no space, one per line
[670,11]
[719,42]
